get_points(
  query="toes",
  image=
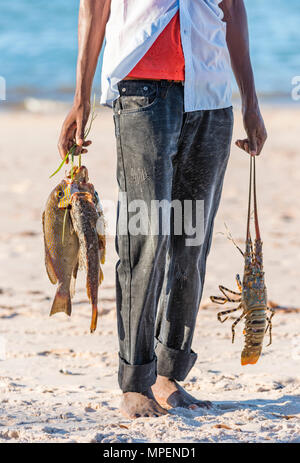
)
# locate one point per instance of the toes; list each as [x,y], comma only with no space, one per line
[141,408]
[148,414]
[196,405]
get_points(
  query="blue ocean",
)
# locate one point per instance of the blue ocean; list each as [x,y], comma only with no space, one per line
[38,47]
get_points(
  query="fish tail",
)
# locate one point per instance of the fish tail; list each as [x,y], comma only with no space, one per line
[93,300]
[62,302]
[94,318]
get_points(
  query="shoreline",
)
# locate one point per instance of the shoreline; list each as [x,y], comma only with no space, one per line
[34,103]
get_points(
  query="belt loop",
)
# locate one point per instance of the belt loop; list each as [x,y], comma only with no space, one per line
[165,85]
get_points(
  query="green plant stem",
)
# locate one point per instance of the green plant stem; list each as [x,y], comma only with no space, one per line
[64,226]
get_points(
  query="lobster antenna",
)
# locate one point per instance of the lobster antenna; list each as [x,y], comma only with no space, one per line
[230,238]
[252,184]
[248,236]
[257,231]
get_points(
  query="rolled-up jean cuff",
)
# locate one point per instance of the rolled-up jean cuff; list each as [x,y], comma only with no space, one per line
[173,363]
[136,378]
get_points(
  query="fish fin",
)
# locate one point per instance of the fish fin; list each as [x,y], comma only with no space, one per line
[102,256]
[62,302]
[73,280]
[48,261]
[50,268]
[102,247]
[101,241]
[101,276]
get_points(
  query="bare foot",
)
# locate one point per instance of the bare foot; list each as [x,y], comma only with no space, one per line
[137,404]
[169,394]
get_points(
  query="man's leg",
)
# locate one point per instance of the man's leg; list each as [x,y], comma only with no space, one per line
[148,120]
[199,172]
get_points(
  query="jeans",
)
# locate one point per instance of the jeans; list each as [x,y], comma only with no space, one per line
[163,153]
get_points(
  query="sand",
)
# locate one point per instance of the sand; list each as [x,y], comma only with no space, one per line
[58,383]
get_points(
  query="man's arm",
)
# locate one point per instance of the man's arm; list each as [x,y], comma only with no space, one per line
[93,16]
[238,45]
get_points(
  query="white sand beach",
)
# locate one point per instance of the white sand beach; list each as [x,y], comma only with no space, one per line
[58,383]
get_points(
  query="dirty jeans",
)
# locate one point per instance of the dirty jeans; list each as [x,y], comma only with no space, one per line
[163,153]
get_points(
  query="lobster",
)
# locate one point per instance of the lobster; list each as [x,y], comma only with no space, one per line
[252,295]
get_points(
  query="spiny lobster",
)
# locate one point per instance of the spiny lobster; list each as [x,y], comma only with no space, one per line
[253,293]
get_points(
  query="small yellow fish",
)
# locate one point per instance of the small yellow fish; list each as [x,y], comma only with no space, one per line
[61,252]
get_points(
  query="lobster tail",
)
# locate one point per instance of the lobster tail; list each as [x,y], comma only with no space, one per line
[255,327]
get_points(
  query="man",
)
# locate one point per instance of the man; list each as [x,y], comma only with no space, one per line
[166,72]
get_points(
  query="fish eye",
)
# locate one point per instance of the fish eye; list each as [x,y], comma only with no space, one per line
[60,194]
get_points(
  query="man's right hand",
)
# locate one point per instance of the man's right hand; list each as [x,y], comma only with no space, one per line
[72,131]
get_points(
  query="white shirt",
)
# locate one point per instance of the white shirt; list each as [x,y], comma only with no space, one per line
[134,25]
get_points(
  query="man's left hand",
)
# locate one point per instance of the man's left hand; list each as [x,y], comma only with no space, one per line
[256,132]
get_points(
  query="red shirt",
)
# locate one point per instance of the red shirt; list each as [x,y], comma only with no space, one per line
[165,58]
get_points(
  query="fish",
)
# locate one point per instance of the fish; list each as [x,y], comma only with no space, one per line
[61,247]
[88,222]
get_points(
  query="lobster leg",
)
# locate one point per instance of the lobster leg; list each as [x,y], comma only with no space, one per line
[235,323]
[272,311]
[218,299]
[223,300]
[225,290]
[225,312]
[239,283]
[269,327]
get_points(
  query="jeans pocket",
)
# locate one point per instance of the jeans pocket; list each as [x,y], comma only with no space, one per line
[137,96]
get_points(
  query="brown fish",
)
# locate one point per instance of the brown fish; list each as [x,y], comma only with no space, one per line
[88,221]
[61,252]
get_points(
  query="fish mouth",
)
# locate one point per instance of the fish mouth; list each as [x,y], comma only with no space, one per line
[79,174]
[73,190]
[70,191]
